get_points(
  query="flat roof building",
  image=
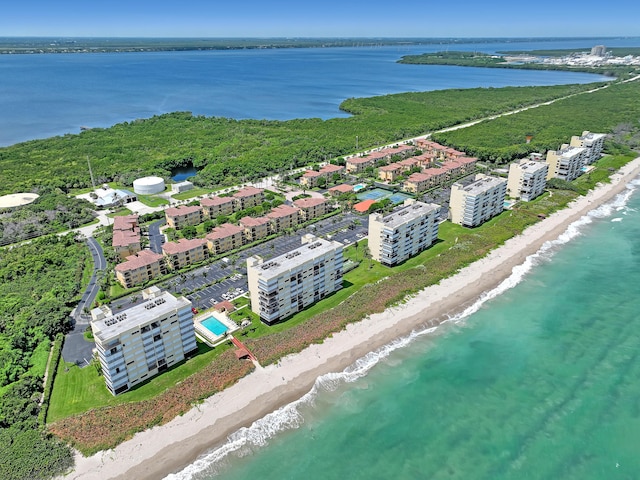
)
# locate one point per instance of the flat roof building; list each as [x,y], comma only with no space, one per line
[566,163]
[137,343]
[474,204]
[593,142]
[527,179]
[288,283]
[403,233]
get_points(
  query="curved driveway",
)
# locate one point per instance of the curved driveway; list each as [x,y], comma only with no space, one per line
[76,349]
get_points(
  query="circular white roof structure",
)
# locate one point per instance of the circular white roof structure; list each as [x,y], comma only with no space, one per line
[17,199]
[148,185]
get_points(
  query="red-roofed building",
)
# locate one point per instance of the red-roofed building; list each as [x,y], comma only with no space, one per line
[125,243]
[311,207]
[255,228]
[340,189]
[183,216]
[389,173]
[185,252]
[363,207]
[310,177]
[248,197]
[419,182]
[214,206]
[224,306]
[140,268]
[126,236]
[359,164]
[125,222]
[224,238]
[283,217]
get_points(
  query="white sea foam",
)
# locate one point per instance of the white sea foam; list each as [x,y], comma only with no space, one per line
[245,440]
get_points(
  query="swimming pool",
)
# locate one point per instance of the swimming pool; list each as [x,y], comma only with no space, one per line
[214,325]
[358,187]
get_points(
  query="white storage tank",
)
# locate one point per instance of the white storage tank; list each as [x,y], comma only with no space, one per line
[148,185]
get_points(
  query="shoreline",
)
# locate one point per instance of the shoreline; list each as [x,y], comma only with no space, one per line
[169,448]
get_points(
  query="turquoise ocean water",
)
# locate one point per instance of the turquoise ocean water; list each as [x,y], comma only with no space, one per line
[538,380]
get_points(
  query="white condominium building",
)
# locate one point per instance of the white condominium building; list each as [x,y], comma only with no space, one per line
[527,179]
[593,142]
[288,283]
[403,233]
[144,340]
[566,163]
[474,204]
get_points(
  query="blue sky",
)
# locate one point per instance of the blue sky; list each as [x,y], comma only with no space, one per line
[325,18]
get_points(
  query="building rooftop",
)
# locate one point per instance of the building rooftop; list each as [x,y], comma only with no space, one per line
[223,231]
[330,168]
[215,201]
[157,303]
[183,245]
[363,206]
[392,167]
[140,259]
[125,222]
[283,211]
[182,210]
[407,212]
[248,192]
[124,238]
[311,174]
[109,196]
[254,221]
[309,202]
[531,166]
[314,247]
[481,185]
[422,176]
[344,188]
[359,160]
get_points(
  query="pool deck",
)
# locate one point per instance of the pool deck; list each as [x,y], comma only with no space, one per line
[206,335]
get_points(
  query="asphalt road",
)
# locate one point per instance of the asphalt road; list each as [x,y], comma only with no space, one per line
[76,349]
[156,239]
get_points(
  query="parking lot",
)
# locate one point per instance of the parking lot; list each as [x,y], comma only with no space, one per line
[226,278]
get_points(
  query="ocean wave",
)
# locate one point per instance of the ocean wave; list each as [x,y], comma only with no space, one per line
[244,441]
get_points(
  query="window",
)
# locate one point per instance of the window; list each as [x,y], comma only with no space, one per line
[157,337]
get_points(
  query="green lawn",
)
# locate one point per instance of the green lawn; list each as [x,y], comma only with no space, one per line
[194,192]
[152,200]
[120,212]
[78,389]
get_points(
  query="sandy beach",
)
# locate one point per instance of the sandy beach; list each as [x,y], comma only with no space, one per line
[162,450]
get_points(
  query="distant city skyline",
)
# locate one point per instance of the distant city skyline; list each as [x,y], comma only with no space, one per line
[330,18]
